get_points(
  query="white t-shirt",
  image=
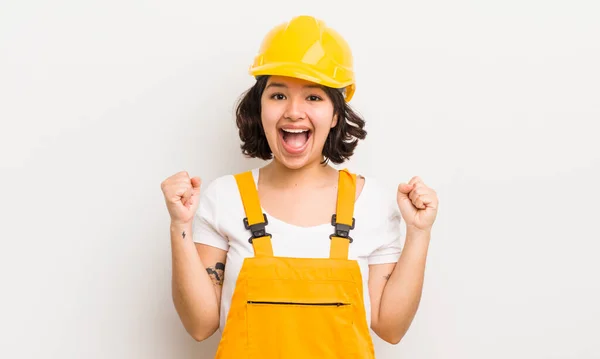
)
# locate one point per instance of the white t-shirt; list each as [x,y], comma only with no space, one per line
[378,236]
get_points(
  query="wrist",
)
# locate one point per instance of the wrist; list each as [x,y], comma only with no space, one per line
[415,231]
[179,226]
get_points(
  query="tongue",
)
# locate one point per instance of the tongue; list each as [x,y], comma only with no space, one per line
[296,140]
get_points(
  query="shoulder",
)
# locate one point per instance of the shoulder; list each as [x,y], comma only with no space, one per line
[378,199]
[377,211]
[217,185]
[219,188]
[379,192]
[222,191]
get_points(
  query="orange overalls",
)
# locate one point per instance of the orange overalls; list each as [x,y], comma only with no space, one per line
[288,308]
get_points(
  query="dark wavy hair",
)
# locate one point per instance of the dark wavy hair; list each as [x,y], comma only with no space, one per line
[341,140]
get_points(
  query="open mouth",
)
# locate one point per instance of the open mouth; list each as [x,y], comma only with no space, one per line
[295,139]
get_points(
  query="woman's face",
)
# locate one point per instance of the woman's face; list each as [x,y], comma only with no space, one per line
[296,116]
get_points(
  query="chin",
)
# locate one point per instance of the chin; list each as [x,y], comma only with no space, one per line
[292,163]
[297,162]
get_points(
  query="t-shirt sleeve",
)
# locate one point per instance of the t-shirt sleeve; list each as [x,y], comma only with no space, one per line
[392,233]
[206,220]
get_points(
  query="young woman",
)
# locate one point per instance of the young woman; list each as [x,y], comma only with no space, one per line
[297,259]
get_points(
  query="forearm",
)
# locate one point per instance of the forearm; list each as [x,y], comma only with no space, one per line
[402,293]
[192,289]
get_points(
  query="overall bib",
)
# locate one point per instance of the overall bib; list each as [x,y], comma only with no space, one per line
[288,308]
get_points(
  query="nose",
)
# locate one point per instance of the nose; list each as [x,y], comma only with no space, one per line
[294,110]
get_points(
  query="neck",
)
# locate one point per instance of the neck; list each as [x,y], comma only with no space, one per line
[275,174]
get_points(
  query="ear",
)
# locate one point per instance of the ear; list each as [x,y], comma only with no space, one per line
[335,121]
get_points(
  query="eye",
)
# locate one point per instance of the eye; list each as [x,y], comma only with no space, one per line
[278,96]
[314,98]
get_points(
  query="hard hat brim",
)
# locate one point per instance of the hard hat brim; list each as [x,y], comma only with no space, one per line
[304,72]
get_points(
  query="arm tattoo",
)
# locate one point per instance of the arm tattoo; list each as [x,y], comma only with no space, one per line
[387,277]
[183,234]
[216,273]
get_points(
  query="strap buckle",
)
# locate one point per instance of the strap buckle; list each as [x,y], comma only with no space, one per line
[258,230]
[342,230]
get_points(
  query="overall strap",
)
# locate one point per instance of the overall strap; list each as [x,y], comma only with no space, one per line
[256,221]
[343,219]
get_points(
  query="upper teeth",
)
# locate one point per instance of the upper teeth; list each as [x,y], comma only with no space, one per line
[294,130]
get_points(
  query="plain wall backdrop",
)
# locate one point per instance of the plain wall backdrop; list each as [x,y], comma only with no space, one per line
[495,104]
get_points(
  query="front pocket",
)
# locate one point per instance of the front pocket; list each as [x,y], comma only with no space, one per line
[299,329]
[327,304]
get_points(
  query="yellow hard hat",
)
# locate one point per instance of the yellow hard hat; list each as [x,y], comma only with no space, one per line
[306,48]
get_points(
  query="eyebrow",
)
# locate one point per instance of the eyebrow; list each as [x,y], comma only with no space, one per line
[279,84]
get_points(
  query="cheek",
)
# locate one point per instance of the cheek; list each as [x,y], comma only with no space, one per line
[270,115]
[322,120]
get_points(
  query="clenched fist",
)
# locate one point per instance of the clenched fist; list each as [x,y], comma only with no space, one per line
[418,204]
[182,195]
